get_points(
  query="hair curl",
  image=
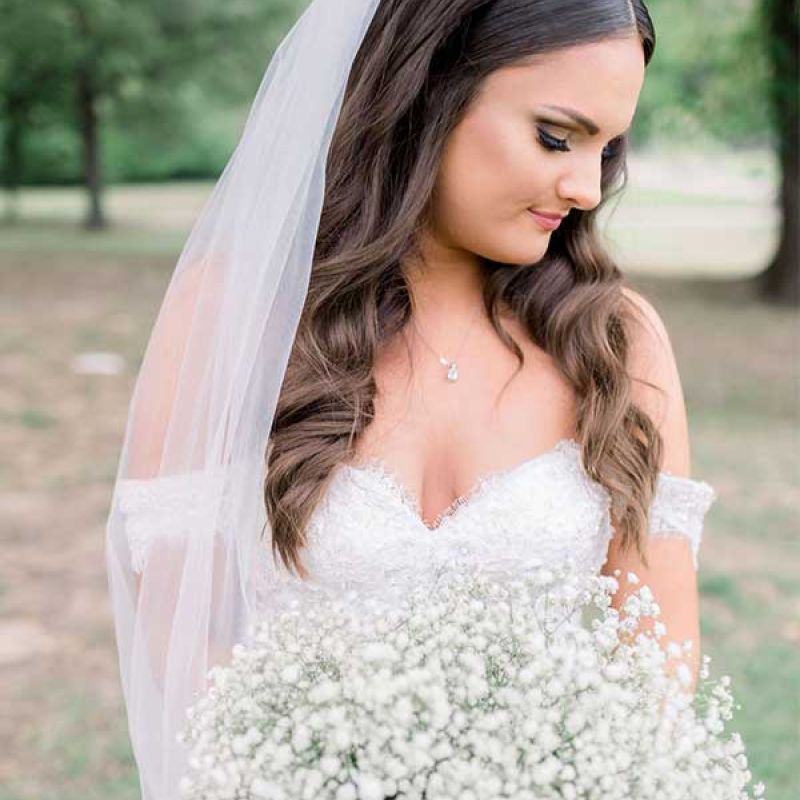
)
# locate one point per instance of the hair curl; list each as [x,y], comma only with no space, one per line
[419,66]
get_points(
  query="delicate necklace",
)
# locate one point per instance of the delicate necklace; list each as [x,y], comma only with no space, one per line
[452,366]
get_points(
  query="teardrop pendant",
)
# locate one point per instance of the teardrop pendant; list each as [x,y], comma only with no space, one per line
[452,372]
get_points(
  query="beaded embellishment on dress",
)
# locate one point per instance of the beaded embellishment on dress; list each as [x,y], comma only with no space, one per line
[484,483]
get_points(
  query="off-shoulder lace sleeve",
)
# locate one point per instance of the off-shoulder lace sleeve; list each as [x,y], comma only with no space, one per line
[168,506]
[679,507]
[183,557]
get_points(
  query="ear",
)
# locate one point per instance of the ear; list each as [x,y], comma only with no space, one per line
[651,360]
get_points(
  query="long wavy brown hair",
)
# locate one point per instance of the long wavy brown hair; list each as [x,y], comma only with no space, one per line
[417,70]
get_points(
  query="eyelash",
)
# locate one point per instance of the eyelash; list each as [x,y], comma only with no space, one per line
[550,142]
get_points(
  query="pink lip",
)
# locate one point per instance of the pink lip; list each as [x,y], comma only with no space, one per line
[548,221]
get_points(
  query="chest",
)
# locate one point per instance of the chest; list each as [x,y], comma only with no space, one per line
[365,537]
[438,440]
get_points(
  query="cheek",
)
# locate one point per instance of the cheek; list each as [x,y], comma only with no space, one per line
[490,172]
[479,167]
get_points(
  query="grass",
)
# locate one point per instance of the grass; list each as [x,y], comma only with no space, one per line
[66,291]
[82,754]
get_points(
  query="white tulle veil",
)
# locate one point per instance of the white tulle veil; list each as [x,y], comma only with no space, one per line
[184,534]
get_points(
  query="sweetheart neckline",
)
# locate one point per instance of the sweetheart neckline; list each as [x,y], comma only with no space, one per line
[376,466]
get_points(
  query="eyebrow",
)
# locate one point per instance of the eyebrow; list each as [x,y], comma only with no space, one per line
[588,125]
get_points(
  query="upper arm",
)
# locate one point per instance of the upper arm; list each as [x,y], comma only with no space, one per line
[652,360]
[164,375]
[670,574]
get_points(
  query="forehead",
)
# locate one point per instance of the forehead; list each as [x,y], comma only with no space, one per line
[602,80]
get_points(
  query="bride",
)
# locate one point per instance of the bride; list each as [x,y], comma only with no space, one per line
[394,340]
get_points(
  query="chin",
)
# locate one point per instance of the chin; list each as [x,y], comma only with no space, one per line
[526,252]
[519,261]
[512,246]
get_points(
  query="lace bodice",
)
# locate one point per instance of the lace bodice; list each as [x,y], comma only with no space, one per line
[367,534]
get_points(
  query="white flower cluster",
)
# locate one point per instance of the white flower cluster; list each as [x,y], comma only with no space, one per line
[473,690]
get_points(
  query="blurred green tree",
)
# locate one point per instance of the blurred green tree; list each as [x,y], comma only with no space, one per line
[727,71]
[86,59]
[31,91]
[709,55]
[781,24]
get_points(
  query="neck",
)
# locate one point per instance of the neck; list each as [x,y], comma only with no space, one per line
[446,284]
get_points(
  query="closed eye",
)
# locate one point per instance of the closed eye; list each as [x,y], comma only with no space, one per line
[550,142]
[553,143]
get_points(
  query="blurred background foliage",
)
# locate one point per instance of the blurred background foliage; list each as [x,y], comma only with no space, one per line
[99,92]
[173,80]
[167,81]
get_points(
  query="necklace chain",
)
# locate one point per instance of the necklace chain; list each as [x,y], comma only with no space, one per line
[452,366]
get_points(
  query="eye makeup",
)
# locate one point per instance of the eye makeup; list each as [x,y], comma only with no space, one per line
[554,143]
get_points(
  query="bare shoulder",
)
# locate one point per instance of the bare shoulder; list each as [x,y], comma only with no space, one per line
[650,330]
[656,384]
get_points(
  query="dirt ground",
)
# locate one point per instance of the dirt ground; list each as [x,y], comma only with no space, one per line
[65,293]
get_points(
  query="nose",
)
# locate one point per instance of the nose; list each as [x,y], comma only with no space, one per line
[579,185]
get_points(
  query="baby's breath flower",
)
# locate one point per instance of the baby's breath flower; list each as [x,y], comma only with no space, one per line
[475,688]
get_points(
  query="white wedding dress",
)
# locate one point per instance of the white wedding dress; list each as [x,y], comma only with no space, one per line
[367,535]
[366,538]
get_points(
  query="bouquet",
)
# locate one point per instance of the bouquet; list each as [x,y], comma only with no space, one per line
[527,688]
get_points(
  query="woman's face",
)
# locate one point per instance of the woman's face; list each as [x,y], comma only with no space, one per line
[498,162]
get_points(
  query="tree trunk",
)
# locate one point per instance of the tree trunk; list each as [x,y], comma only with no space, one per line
[12,155]
[90,138]
[780,282]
